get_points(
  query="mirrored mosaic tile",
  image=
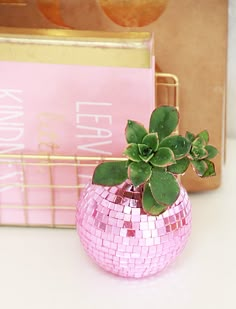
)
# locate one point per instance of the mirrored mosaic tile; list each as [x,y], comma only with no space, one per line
[124,240]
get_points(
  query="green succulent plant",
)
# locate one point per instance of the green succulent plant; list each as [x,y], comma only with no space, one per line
[156,157]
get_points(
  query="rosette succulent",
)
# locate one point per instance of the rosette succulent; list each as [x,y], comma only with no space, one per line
[156,157]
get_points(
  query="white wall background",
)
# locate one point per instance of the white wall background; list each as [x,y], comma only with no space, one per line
[231,91]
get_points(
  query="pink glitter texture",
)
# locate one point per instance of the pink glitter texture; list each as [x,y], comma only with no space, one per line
[121,238]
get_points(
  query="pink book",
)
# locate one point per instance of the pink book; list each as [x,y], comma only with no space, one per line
[53,108]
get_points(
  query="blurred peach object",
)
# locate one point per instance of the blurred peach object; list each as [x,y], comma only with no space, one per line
[133,13]
[51,10]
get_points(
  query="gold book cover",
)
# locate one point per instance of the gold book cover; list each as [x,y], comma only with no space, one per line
[65,96]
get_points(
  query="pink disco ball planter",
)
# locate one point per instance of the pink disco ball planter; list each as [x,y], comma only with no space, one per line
[135,217]
[121,238]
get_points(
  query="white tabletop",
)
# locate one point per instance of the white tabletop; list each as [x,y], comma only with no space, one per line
[47,268]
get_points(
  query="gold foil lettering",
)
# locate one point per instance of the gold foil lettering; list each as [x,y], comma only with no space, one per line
[47,136]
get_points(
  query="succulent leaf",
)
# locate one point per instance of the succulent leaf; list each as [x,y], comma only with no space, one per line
[146,158]
[110,173]
[200,167]
[212,151]
[178,144]
[132,152]
[128,162]
[210,169]
[155,158]
[199,152]
[150,205]
[205,135]
[199,142]
[163,157]
[180,166]
[164,186]
[151,140]
[164,121]
[134,132]
[145,152]
[190,156]
[139,172]
[190,136]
